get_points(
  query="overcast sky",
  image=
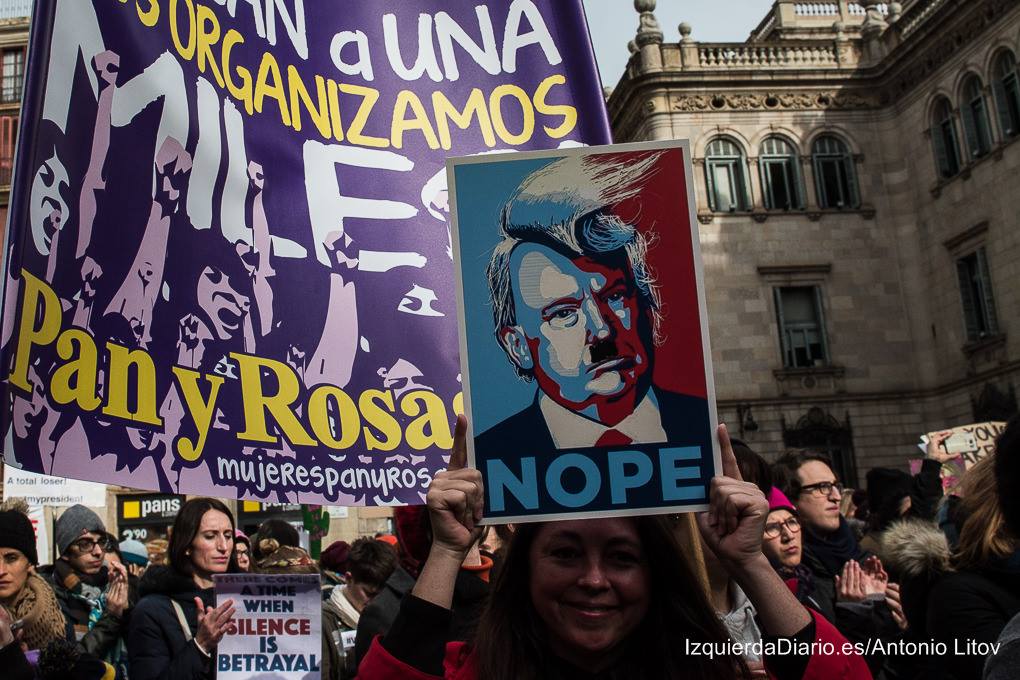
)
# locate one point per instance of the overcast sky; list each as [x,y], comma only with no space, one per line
[614,23]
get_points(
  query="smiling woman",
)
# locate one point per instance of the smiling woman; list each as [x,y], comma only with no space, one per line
[601,598]
[588,591]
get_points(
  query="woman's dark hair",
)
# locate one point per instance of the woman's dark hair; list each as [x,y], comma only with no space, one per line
[186,526]
[512,643]
[1007,474]
[753,468]
[276,529]
[887,487]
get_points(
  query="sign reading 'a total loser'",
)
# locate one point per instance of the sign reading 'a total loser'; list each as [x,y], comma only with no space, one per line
[40,489]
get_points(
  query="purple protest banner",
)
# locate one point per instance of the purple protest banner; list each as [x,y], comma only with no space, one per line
[228,252]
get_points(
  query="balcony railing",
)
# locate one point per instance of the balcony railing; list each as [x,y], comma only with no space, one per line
[816,9]
[15,9]
[831,9]
[858,10]
[792,55]
[917,14]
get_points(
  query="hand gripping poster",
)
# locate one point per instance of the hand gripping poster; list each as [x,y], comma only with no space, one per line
[276,632]
[584,344]
[229,261]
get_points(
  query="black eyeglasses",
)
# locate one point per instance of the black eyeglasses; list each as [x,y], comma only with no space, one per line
[773,529]
[823,489]
[86,545]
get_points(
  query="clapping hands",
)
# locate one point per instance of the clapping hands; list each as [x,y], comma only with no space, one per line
[859,582]
[117,593]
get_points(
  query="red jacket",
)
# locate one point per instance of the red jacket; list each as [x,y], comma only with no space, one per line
[461,664]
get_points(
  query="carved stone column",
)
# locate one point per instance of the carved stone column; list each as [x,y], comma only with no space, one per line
[874,23]
[649,36]
[872,29]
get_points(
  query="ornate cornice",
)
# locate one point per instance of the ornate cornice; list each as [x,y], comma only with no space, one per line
[815,100]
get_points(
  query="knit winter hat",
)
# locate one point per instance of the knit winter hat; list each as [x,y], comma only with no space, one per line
[134,552]
[75,521]
[16,530]
[412,526]
[779,501]
[335,556]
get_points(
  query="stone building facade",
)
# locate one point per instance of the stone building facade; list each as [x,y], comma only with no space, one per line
[856,169]
[14,25]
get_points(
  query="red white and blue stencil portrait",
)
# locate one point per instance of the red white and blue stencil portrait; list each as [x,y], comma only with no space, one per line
[229,267]
[584,338]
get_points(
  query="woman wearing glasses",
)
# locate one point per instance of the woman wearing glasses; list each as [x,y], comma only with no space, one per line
[242,551]
[175,627]
[783,546]
[855,600]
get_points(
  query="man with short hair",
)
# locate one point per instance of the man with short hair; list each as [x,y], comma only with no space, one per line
[850,586]
[369,564]
[808,481]
[93,595]
[576,311]
[816,489]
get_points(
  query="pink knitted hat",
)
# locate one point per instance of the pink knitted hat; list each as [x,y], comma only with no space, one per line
[779,501]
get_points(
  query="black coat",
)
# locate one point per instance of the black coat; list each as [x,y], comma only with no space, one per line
[971,605]
[157,647]
[379,614]
[859,621]
[470,594]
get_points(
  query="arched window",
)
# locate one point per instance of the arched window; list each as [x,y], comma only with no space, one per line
[943,136]
[975,118]
[780,175]
[835,178]
[1007,94]
[726,175]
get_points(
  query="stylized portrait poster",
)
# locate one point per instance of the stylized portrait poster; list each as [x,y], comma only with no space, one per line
[229,266]
[584,340]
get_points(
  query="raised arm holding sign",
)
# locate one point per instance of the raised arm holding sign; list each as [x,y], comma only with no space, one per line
[594,587]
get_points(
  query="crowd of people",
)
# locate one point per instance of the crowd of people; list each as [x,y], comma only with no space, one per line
[788,575]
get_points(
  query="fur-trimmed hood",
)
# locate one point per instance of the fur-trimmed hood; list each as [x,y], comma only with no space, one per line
[914,547]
